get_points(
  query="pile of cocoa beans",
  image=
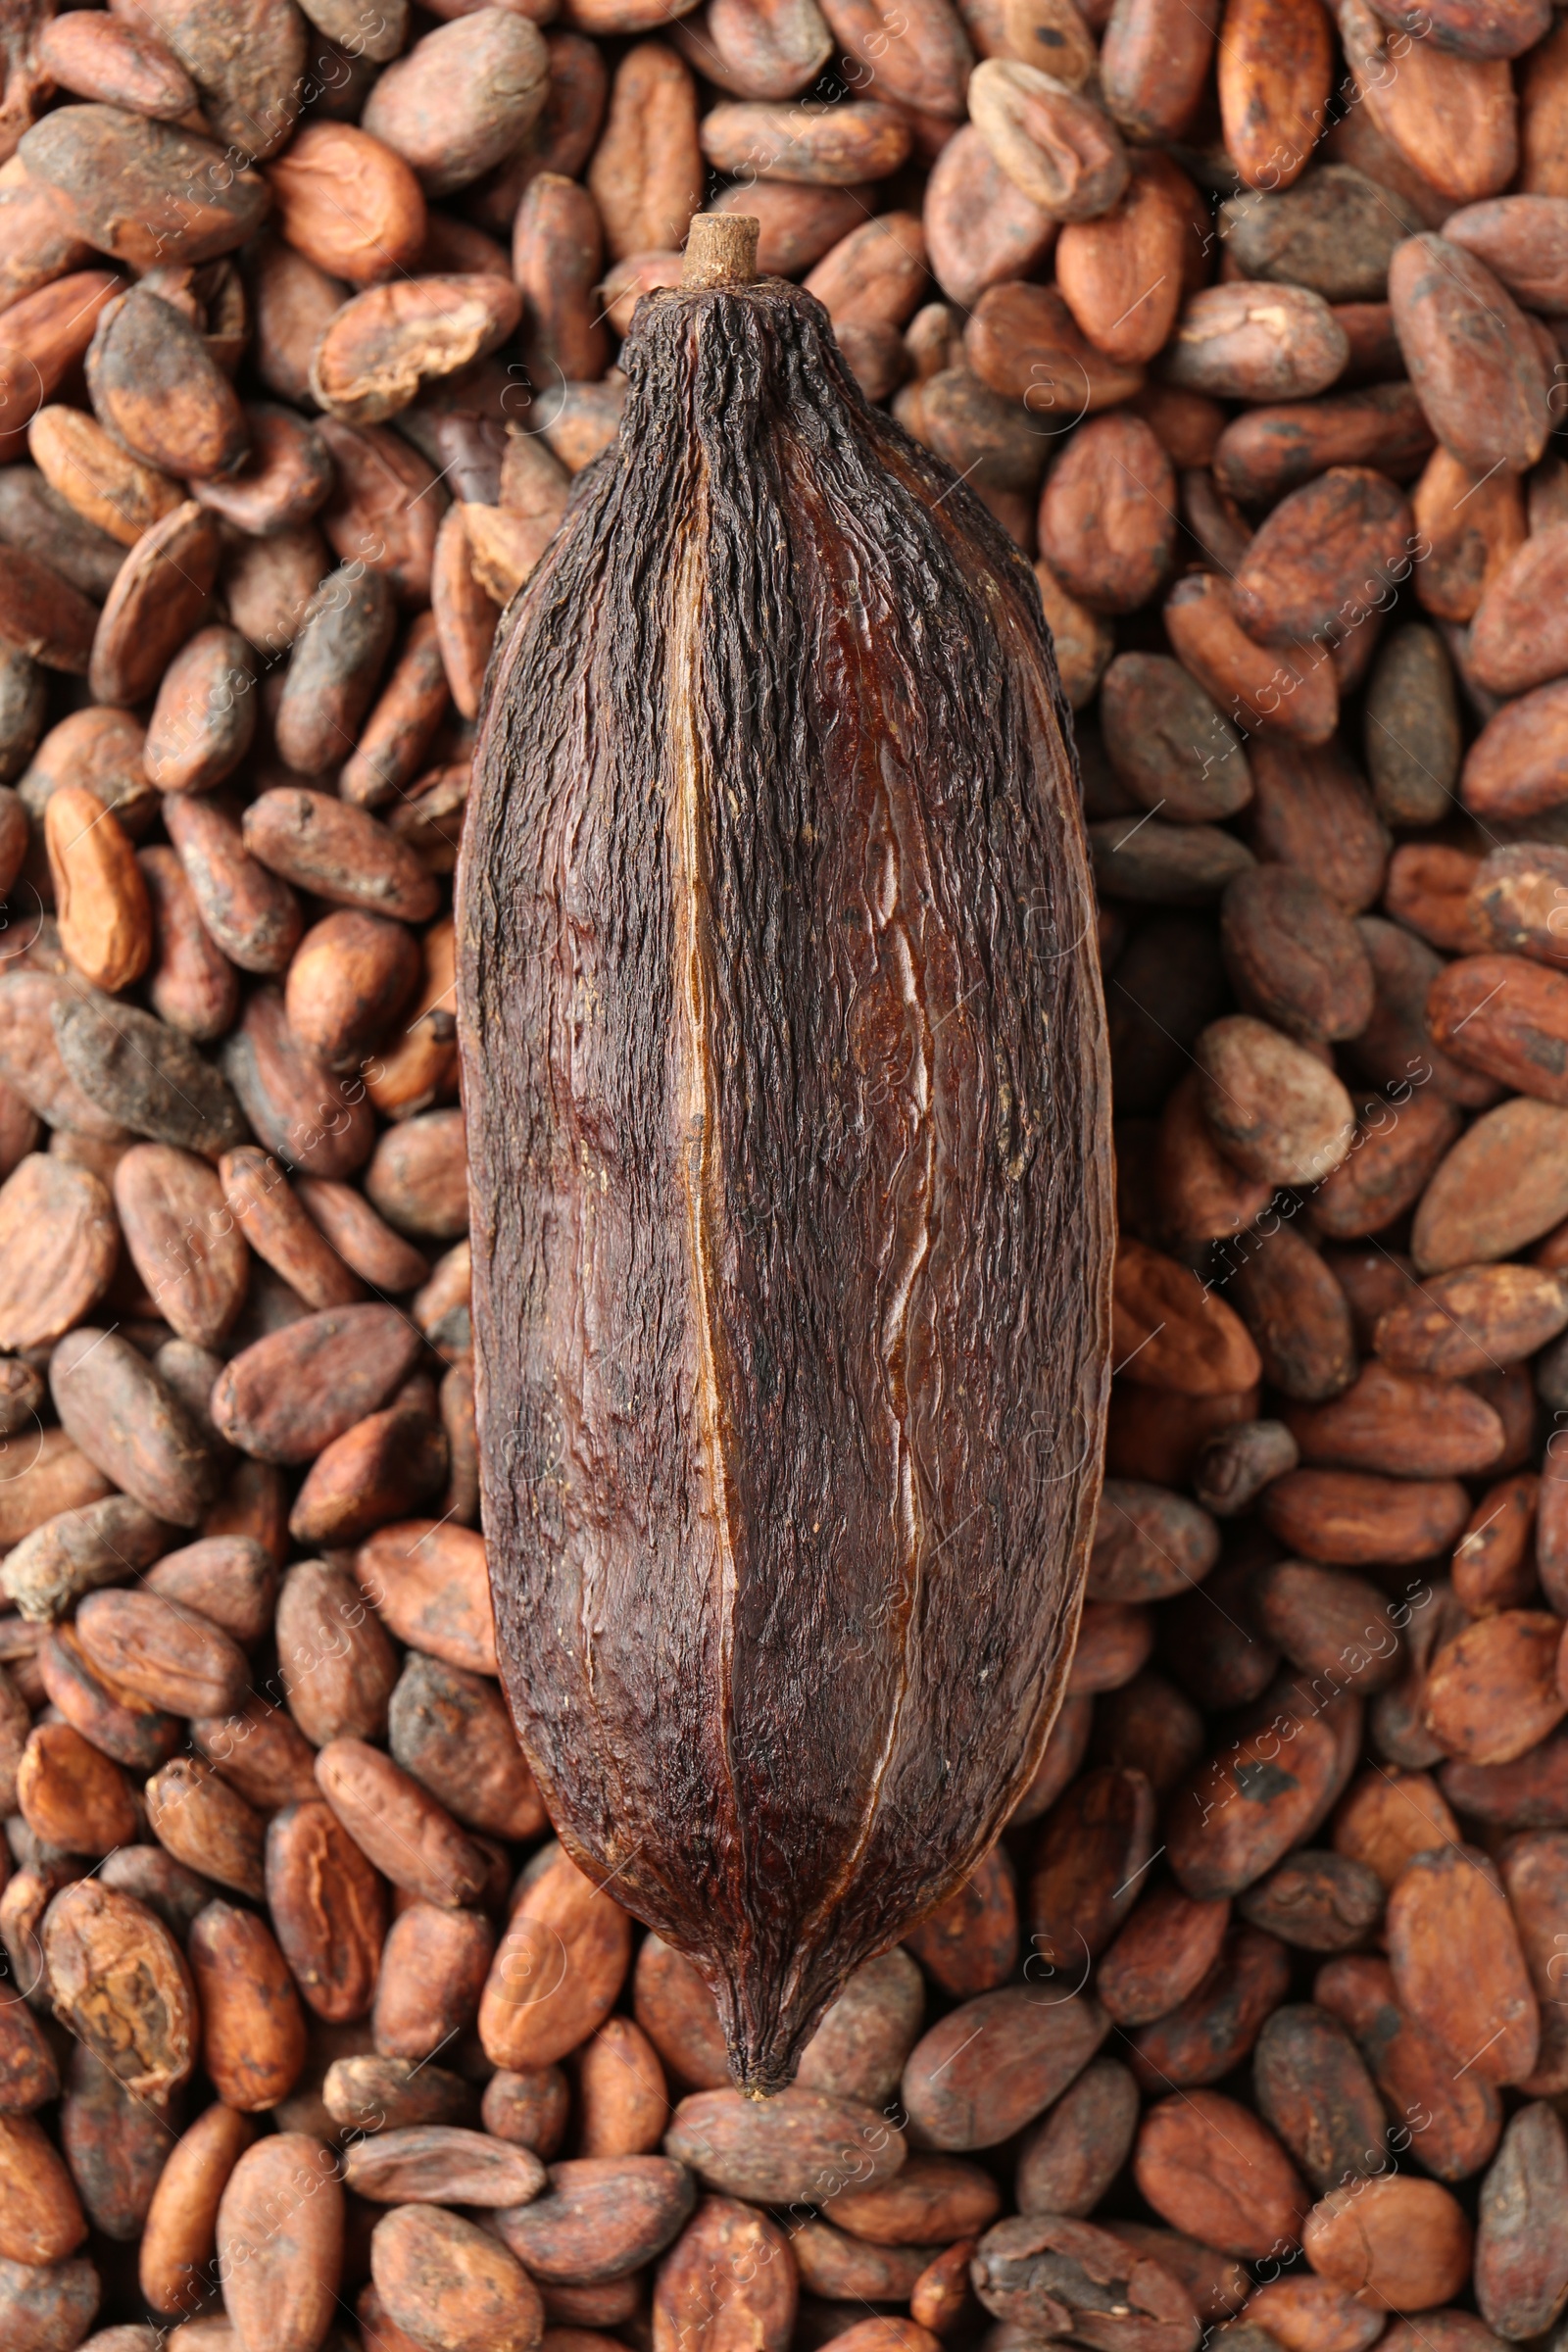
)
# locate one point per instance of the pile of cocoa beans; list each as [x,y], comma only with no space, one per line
[1246,322]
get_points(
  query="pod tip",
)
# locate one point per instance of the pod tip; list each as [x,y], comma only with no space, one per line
[721,250]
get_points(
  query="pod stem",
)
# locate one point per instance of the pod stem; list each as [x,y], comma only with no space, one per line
[721,250]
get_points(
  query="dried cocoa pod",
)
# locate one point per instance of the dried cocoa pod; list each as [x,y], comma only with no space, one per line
[1318,1902]
[1498,1189]
[336,1663]
[181,2225]
[280,2241]
[57,1249]
[729,2275]
[119,1984]
[1213,2029]
[1470,354]
[1208,2166]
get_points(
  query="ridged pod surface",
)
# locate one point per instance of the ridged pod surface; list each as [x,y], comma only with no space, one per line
[788,1112]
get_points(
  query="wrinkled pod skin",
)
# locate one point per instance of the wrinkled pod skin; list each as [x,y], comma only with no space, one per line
[788,1109]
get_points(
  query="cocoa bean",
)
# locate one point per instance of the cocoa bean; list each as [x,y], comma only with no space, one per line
[602,2217]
